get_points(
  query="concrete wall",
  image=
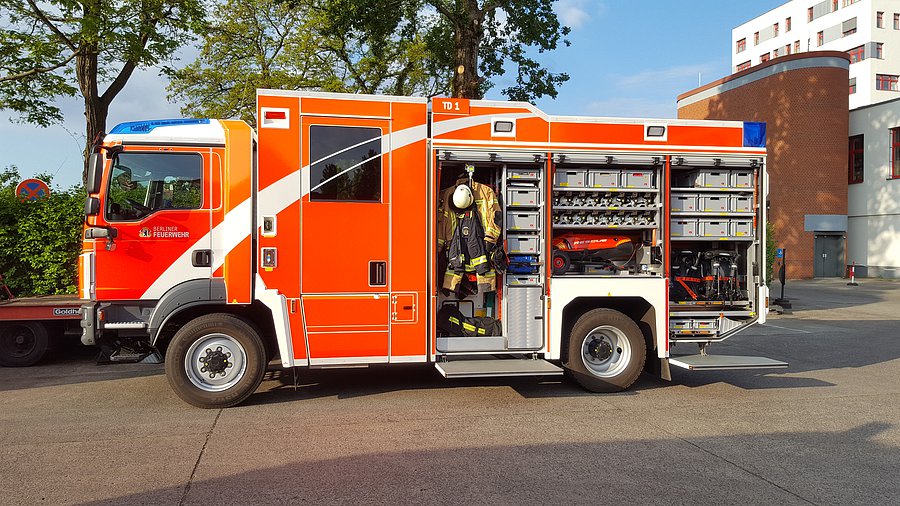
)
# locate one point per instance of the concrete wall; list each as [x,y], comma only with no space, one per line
[873,233]
[803,100]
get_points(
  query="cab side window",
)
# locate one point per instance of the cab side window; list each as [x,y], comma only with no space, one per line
[143,183]
[345,163]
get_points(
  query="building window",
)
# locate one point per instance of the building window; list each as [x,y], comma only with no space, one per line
[879,20]
[895,152]
[775,30]
[797,46]
[787,25]
[857,54]
[776,53]
[820,38]
[743,66]
[849,2]
[809,14]
[741,46]
[855,164]
[764,58]
[347,163]
[787,49]
[879,50]
[852,85]
[756,39]
[834,5]
[896,21]
[886,82]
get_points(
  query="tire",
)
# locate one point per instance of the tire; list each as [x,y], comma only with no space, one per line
[561,262]
[223,346]
[606,351]
[22,344]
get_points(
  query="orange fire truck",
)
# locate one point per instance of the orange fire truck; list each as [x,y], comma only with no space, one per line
[326,238]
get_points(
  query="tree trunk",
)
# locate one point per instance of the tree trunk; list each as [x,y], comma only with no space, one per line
[466,82]
[95,108]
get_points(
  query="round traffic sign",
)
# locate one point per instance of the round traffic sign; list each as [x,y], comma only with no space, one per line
[32,189]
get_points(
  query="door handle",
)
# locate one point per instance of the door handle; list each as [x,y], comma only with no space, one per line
[201,258]
[377,273]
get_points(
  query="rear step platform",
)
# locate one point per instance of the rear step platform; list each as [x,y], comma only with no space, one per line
[724,362]
[491,368]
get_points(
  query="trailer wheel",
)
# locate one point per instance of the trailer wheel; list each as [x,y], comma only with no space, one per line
[606,351]
[22,343]
[215,361]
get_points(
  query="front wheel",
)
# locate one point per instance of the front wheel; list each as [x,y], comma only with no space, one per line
[606,351]
[215,361]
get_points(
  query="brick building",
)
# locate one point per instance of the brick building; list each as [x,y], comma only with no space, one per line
[803,100]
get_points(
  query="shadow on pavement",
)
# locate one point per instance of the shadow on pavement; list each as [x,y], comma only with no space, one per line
[854,466]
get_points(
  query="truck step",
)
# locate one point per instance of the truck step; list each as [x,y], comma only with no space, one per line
[491,368]
[724,362]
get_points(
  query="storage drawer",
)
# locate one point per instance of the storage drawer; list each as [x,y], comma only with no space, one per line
[637,178]
[714,228]
[518,196]
[714,203]
[742,204]
[522,244]
[742,179]
[684,203]
[684,228]
[742,228]
[527,221]
[526,174]
[570,178]
[523,279]
[603,178]
[714,178]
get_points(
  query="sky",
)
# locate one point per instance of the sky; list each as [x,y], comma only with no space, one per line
[628,58]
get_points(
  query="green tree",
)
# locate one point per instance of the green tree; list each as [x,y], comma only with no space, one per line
[44,43]
[468,42]
[252,44]
[40,241]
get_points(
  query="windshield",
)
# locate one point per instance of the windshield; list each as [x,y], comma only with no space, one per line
[142,183]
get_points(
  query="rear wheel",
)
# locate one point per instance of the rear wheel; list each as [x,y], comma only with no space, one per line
[606,351]
[22,343]
[215,361]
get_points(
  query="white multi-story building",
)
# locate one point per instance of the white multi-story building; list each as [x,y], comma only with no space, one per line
[868,30]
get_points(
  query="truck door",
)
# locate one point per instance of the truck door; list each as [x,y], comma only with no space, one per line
[156,203]
[345,238]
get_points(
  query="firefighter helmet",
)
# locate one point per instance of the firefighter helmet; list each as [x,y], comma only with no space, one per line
[462,197]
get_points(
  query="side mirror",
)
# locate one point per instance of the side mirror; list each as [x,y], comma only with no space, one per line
[95,172]
[92,206]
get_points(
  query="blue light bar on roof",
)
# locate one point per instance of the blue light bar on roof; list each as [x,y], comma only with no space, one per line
[145,127]
[754,135]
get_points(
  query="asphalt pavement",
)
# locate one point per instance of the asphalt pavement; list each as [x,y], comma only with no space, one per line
[824,431]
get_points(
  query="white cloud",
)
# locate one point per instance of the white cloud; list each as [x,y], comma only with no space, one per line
[574,13]
[661,76]
[632,107]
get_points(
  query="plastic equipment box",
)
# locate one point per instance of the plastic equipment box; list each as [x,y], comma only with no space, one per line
[742,179]
[715,228]
[684,203]
[522,221]
[741,204]
[525,174]
[714,203]
[603,178]
[634,178]
[570,178]
[522,244]
[517,196]
[684,228]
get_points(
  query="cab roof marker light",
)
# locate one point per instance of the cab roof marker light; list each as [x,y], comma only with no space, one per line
[145,127]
